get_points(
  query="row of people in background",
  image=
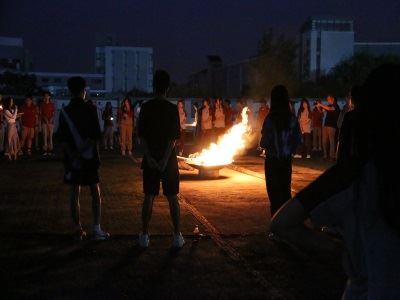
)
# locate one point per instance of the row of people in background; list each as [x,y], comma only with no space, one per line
[212,120]
[125,124]
[320,126]
[33,119]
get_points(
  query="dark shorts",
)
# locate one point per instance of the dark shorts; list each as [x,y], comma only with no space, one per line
[169,179]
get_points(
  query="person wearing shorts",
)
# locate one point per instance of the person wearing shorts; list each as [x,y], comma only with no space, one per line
[79,134]
[159,129]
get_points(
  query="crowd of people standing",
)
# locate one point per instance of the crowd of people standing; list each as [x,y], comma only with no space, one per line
[25,127]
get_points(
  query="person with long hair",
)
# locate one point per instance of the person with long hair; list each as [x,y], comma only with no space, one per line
[11,115]
[28,120]
[359,196]
[126,123]
[280,137]
[304,117]
[108,128]
[219,118]
[205,123]
[182,122]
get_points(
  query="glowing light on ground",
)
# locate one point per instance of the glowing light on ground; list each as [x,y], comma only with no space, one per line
[229,145]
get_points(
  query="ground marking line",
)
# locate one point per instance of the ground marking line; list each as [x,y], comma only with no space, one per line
[232,253]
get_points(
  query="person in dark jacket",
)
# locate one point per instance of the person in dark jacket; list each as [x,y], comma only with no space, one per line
[280,138]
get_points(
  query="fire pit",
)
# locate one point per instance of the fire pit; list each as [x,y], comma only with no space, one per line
[219,155]
[205,172]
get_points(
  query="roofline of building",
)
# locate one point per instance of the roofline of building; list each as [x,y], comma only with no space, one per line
[54,74]
[12,41]
[377,43]
[126,48]
[329,18]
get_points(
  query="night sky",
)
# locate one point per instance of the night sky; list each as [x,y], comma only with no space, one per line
[60,35]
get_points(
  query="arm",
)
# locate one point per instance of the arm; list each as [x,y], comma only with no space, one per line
[326,107]
[167,154]
[291,224]
[265,134]
[53,110]
[153,164]
[175,132]
[11,116]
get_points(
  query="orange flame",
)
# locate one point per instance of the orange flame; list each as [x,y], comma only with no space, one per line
[227,147]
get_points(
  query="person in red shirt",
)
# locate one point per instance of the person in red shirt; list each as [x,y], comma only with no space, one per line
[47,111]
[126,122]
[28,119]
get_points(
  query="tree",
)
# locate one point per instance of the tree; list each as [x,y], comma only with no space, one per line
[347,73]
[18,84]
[275,64]
[355,70]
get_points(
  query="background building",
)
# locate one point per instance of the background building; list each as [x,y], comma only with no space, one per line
[56,83]
[223,80]
[323,43]
[125,68]
[378,48]
[13,56]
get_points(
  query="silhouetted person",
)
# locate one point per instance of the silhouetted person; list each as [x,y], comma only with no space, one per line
[352,134]
[79,132]
[361,197]
[280,138]
[330,126]
[159,129]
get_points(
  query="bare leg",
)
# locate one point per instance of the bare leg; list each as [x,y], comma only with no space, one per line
[96,203]
[147,211]
[75,207]
[175,212]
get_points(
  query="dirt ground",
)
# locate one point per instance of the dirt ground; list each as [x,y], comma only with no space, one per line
[234,259]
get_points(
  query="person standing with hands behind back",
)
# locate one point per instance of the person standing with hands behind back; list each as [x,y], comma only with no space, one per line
[159,161]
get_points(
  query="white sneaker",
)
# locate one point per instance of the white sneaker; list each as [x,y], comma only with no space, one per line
[111,148]
[100,235]
[144,240]
[178,241]
[130,153]
[297,156]
[308,156]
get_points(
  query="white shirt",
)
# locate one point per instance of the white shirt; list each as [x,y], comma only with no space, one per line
[219,118]
[206,119]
